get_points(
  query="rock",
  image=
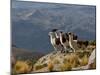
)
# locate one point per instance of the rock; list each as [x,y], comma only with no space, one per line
[57,61]
[91,62]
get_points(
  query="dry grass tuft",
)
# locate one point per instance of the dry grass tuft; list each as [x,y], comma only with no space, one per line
[83,61]
[39,66]
[50,66]
[21,67]
[66,67]
[56,61]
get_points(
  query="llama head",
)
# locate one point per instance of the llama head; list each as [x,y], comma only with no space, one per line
[54,30]
[52,34]
[70,34]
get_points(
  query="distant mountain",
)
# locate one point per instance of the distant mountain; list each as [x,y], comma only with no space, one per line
[23,54]
[32,21]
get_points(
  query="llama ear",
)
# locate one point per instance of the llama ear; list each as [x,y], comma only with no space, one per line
[74,37]
[69,33]
[54,30]
[60,31]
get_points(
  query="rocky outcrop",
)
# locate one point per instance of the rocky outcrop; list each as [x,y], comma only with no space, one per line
[57,61]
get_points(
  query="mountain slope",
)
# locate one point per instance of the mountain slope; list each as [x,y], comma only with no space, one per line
[23,54]
[57,61]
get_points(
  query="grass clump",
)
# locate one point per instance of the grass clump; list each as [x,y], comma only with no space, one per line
[69,62]
[56,61]
[39,66]
[92,42]
[66,67]
[50,66]
[21,67]
[84,60]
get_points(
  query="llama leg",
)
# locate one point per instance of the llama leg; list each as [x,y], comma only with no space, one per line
[73,50]
[62,49]
[66,50]
[55,48]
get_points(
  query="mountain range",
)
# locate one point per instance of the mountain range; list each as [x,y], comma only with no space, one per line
[32,21]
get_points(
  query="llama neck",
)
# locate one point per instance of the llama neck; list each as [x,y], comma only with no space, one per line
[56,34]
[70,38]
[52,36]
[60,36]
[52,39]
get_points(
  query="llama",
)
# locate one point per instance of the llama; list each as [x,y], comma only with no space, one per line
[75,44]
[72,43]
[64,39]
[55,41]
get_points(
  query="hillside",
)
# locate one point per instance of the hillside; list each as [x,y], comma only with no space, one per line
[57,61]
[24,54]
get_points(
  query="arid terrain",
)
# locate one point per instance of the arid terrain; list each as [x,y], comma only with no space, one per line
[57,61]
